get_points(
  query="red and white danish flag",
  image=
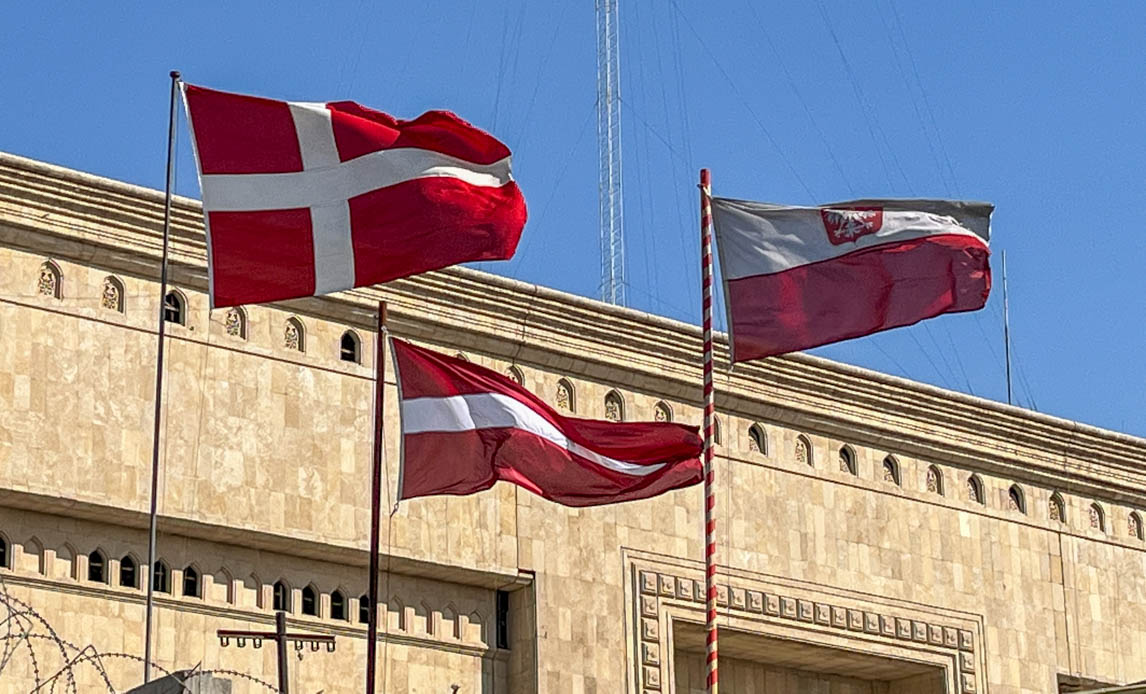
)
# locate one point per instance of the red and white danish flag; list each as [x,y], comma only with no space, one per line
[310,198]
[464,427]
[800,277]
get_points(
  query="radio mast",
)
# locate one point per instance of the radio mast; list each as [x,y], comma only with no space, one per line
[609,189]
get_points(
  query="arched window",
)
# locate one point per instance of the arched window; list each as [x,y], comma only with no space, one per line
[50,281]
[159,578]
[363,609]
[350,347]
[462,356]
[1056,509]
[235,323]
[97,567]
[1134,525]
[112,296]
[614,407]
[803,450]
[338,606]
[175,308]
[662,412]
[565,397]
[309,601]
[717,438]
[847,460]
[975,490]
[294,335]
[3,552]
[891,470]
[1097,518]
[280,600]
[757,439]
[934,480]
[127,576]
[1016,501]
[514,374]
[190,582]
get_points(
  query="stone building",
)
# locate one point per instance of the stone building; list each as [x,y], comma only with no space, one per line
[875,535]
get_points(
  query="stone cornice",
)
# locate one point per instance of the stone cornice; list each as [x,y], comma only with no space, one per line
[74,214]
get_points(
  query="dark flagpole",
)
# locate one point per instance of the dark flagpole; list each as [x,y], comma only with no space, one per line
[376,500]
[159,378]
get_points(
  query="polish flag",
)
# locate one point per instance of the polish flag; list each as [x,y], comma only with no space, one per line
[464,427]
[800,277]
[303,199]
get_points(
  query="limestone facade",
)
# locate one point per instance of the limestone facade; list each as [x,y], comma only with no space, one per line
[875,535]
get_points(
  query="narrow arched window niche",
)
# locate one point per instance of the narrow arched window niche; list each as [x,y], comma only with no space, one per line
[294,335]
[934,480]
[891,470]
[309,601]
[717,437]
[111,298]
[566,396]
[175,307]
[280,596]
[128,575]
[5,550]
[1134,526]
[757,439]
[350,347]
[363,609]
[97,567]
[235,322]
[338,605]
[614,407]
[1056,508]
[159,577]
[50,281]
[975,490]
[191,588]
[514,374]
[1016,499]
[847,460]
[804,451]
[1097,518]
[662,412]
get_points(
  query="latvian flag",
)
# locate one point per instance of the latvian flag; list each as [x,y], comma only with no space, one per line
[800,277]
[464,427]
[310,198]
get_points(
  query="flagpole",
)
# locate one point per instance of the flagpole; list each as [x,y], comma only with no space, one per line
[709,418]
[376,499]
[1007,329]
[159,379]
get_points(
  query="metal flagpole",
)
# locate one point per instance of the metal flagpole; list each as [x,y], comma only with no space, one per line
[159,379]
[376,500]
[1007,330]
[709,418]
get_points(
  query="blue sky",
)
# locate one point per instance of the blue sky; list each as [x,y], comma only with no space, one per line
[1037,107]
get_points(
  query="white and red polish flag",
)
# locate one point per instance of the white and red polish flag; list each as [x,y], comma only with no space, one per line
[800,277]
[464,427]
[302,199]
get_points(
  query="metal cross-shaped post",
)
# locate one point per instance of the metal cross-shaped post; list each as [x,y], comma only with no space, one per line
[280,637]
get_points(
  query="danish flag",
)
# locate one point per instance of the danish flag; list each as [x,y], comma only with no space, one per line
[302,199]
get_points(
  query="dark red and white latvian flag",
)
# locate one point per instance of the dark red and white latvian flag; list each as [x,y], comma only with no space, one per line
[464,427]
[310,198]
[800,277]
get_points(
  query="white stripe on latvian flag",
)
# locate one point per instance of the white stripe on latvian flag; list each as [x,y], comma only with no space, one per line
[800,277]
[477,411]
[464,427]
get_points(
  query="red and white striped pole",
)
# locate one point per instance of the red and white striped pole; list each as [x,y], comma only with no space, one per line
[709,420]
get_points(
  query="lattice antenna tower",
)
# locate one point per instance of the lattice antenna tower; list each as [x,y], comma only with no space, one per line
[609,189]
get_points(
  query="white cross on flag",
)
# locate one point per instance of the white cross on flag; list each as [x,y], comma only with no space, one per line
[302,199]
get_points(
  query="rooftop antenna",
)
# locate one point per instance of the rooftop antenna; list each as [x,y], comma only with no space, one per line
[1007,330]
[609,191]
